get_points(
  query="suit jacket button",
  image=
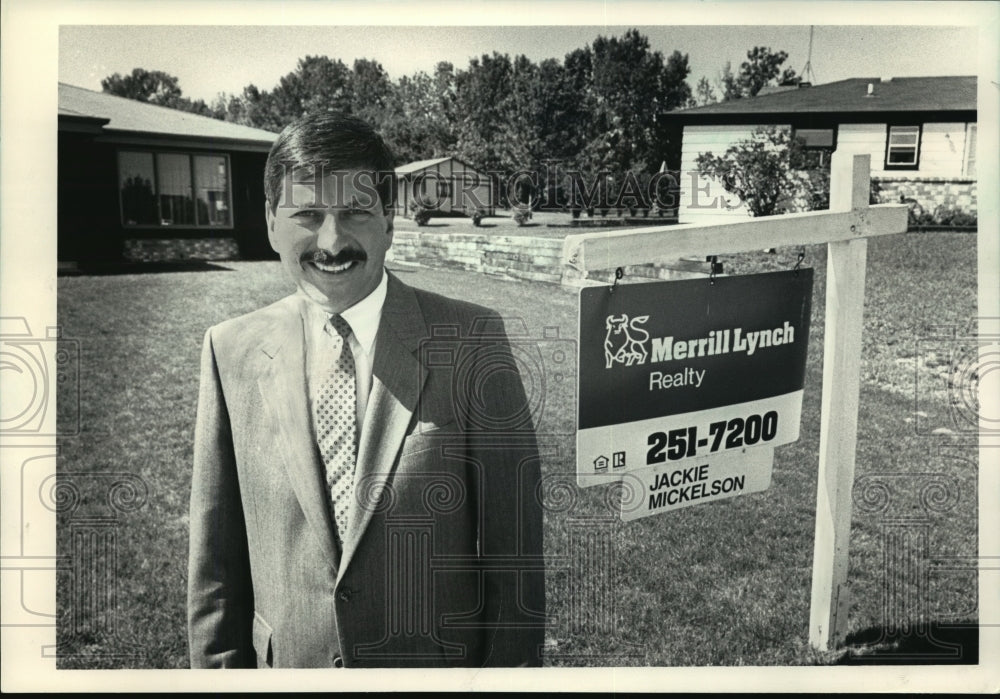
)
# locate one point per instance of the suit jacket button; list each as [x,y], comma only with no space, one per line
[338,661]
[345,595]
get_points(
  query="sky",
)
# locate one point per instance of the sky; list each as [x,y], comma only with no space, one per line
[209,60]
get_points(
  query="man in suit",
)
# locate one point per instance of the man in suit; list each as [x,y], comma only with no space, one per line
[365,484]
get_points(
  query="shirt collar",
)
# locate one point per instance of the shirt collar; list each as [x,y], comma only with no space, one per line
[365,315]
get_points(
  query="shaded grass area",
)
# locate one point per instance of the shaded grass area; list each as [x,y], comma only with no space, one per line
[727,583]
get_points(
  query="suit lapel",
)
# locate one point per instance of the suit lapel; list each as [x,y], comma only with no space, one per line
[282,385]
[397,379]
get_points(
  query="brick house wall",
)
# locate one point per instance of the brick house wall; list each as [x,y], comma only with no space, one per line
[179,249]
[931,192]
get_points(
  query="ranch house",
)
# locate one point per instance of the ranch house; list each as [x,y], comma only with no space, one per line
[143,183]
[920,133]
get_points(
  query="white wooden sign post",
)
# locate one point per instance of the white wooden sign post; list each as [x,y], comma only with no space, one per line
[845,228]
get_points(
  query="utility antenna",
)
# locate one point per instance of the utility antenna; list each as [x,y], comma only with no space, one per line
[807,71]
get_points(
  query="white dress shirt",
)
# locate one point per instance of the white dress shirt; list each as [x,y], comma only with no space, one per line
[364,318]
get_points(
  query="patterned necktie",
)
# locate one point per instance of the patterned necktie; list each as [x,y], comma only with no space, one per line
[334,419]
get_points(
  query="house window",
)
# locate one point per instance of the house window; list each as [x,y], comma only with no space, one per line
[816,138]
[174,190]
[818,145]
[969,167]
[902,150]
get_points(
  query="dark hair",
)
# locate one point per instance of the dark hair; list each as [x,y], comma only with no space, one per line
[338,141]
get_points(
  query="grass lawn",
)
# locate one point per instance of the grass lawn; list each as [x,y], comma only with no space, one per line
[727,583]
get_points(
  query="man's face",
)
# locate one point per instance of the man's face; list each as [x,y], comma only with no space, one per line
[334,249]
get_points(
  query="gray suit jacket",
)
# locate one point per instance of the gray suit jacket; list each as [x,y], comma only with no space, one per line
[441,564]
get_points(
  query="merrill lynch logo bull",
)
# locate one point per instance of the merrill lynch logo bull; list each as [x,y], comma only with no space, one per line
[625,343]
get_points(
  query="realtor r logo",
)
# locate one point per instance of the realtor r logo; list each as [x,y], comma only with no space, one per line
[624,342]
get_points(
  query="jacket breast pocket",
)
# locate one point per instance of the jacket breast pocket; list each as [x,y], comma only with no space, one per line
[429,436]
[262,641]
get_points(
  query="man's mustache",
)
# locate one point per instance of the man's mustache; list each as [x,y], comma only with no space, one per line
[325,257]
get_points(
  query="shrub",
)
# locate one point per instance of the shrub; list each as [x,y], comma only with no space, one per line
[522,216]
[772,173]
[421,213]
[950,216]
[875,192]
[942,215]
[916,215]
[815,190]
[477,214]
[759,170]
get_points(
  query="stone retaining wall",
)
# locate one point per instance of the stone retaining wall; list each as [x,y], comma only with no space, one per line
[536,259]
[177,249]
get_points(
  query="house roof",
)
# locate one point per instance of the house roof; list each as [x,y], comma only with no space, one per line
[126,116]
[924,95]
[420,165]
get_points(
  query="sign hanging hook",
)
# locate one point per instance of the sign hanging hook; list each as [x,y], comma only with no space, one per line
[802,256]
[619,273]
[715,267]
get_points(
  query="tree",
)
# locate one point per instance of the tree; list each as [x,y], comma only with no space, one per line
[594,111]
[153,87]
[762,67]
[559,114]
[370,91]
[318,83]
[673,82]
[418,121]
[703,93]
[256,108]
[521,134]
[728,83]
[765,172]
[483,95]
[230,108]
[620,85]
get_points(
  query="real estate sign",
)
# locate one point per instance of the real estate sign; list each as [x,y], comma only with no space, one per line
[694,374]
